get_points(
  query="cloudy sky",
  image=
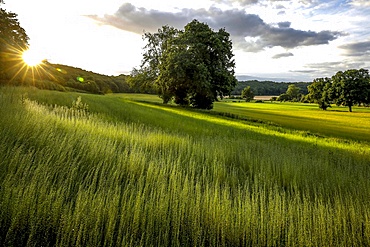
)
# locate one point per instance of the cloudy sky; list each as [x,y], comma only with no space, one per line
[284,40]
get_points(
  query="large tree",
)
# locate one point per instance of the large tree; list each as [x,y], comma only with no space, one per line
[318,92]
[13,40]
[351,87]
[193,66]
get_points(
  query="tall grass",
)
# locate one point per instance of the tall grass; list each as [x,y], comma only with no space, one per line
[135,174]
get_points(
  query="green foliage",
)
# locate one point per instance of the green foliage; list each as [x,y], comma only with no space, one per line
[154,175]
[350,87]
[193,66]
[13,40]
[319,92]
[141,81]
[12,35]
[293,92]
[284,97]
[144,79]
[268,87]
[247,94]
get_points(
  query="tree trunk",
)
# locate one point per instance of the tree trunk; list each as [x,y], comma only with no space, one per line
[350,108]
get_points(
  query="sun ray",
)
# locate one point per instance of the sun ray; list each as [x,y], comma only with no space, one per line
[26,69]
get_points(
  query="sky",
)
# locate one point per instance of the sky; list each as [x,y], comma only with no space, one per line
[282,40]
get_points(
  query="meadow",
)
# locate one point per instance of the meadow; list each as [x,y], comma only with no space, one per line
[124,170]
[335,122]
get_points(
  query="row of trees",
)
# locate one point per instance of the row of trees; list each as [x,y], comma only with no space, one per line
[193,66]
[348,88]
[293,94]
[269,87]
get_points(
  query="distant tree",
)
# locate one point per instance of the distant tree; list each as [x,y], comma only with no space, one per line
[13,39]
[350,88]
[319,92]
[284,97]
[247,94]
[193,66]
[293,92]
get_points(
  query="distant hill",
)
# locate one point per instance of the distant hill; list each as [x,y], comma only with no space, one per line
[66,78]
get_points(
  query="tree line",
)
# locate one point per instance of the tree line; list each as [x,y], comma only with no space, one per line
[345,88]
[269,87]
[348,88]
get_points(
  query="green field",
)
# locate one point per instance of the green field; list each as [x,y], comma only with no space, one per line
[127,171]
[335,122]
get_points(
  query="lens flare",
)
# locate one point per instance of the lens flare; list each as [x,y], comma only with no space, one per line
[80,79]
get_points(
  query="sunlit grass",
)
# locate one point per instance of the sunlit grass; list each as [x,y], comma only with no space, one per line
[336,122]
[265,130]
[126,173]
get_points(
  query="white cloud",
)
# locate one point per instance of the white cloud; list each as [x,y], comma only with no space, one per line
[361,3]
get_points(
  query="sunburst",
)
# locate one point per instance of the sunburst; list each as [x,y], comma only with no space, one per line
[32,57]
[26,63]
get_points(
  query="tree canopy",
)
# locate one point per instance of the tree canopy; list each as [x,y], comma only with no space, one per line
[348,88]
[351,87]
[193,66]
[247,94]
[13,40]
[318,92]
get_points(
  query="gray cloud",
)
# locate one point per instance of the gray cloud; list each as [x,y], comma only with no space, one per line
[136,20]
[250,2]
[327,69]
[285,24]
[241,2]
[280,55]
[237,22]
[357,49]
[280,6]
[307,71]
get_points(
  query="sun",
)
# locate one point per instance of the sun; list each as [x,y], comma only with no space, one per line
[32,57]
